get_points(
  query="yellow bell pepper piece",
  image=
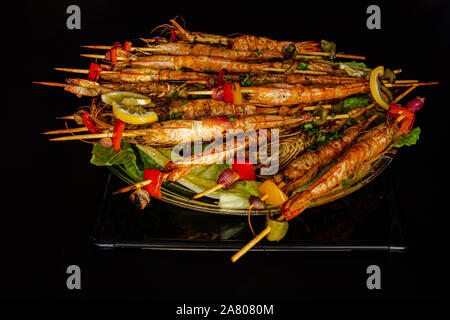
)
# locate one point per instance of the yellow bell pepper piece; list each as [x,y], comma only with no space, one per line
[275,196]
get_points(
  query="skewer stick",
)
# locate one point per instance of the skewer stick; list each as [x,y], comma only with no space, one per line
[208,191]
[136,185]
[407,84]
[102,47]
[66,118]
[51,84]
[319,73]
[100,56]
[337,55]
[133,187]
[406,81]
[251,244]
[84,71]
[130,133]
[402,95]
[71,130]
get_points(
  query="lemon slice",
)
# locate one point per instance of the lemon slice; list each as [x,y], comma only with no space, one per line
[128,107]
[125,97]
[133,114]
[374,87]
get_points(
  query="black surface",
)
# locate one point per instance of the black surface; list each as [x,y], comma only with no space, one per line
[367,219]
[56,194]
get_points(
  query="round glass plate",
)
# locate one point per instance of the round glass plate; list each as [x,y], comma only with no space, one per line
[176,194]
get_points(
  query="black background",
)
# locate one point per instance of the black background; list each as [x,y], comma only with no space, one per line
[54,192]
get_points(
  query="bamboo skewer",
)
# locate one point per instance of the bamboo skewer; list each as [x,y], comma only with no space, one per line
[133,187]
[103,47]
[66,118]
[251,244]
[397,99]
[129,133]
[70,130]
[137,185]
[100,56]
[84,71]
[337,55]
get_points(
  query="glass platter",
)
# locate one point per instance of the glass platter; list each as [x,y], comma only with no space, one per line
[178,195]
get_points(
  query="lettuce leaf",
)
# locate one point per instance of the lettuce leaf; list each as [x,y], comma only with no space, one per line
[135,158]
[126,158]
[408,139]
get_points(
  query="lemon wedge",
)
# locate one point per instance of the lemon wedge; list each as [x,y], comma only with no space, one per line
[374,86]
[128,107]
[125,97]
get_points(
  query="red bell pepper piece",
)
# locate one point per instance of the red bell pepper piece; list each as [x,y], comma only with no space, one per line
[228,93]
[94,72]
[127,46]
[245,170]
[406,124]
[173,35]
[113,55]
[220,80]
[89,124]
[119,126]
[157,177]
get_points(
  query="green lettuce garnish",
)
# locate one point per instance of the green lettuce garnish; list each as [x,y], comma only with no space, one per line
[408,139]
[126,158]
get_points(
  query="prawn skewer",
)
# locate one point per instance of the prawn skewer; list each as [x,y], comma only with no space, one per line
[366,149]
[303,169]
[188,49]
[284,94]
[173,132]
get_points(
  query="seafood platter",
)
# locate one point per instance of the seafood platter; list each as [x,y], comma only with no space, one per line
[238,125]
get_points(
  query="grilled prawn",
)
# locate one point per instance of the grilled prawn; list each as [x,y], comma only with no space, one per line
[285,94]
[173,132]
[304,168]
[367,148]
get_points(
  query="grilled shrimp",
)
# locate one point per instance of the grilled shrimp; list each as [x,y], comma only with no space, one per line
[185,49]
[367,148]
[82,87]
[173,132]
[244,42]
[285,94]
[198,63]
[181,167]
[304,168]
[156,75]
[259,79]
[254,43]
[205,108]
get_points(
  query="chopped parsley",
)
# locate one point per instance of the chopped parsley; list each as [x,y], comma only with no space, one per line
[246,82]
[302,66]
